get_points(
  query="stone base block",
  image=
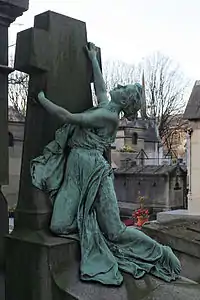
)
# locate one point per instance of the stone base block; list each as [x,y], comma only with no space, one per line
[32,259]
[40,267]
[183,236]
[179,214]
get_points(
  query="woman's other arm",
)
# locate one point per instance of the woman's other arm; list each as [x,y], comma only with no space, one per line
[88,119]
[99,84]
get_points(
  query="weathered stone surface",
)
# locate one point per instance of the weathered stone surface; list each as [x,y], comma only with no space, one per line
[146,288]
[178,214]
[156,183]
[175,292]
[2,286]
[52,53]
[3,226]
[3,107]
[11,9]
[21,4]
[183,237]
[51,271]
[42,254]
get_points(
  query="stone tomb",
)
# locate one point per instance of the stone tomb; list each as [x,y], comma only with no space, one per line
[40,266]
[183,236]
[52,54]
[50,270]
[164,188]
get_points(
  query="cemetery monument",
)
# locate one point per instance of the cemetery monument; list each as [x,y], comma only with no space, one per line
[72,165]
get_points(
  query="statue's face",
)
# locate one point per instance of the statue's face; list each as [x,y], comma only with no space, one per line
[118,94]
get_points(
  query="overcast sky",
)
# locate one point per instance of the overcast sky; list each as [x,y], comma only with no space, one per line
[130,30]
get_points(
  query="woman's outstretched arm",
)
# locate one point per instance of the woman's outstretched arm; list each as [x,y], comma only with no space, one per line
[53,109]
[99,84]
[88,119]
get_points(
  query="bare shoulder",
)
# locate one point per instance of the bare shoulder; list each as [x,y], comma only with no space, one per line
[110,116]
[99,118]
[104,114]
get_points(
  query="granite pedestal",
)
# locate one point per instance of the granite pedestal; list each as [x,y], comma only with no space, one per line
[183,236]
[51,271]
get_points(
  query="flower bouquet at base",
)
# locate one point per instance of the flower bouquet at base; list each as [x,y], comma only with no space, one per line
[141,215]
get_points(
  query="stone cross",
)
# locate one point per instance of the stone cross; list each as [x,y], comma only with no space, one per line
[52,53]
[9,11]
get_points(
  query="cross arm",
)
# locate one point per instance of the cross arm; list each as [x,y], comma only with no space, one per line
[32,51]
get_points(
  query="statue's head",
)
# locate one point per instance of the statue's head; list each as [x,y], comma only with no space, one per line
[129,97]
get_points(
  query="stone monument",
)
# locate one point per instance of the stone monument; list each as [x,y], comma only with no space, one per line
[52,54]
[9,11]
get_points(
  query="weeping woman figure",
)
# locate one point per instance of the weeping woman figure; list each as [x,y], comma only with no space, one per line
[80,186]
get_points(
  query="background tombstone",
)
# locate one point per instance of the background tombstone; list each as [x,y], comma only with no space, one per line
[52,54]
[9,11]
[192,113]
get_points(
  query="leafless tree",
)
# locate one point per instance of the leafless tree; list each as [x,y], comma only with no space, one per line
[118,72]
[165,87]
[174,138]
[17,93]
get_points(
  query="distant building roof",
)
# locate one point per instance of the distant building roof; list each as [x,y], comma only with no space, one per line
[151,170]
[137,123]
[192,111]
[148,132]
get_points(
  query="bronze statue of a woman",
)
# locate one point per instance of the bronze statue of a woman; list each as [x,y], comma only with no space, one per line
[80,185]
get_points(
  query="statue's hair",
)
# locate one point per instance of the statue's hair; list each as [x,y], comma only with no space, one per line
[135,89]
[134,93]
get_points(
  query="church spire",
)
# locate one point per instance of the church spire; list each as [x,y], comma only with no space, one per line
[143,104]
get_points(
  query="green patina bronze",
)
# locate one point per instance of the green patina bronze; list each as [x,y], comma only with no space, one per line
[79,181]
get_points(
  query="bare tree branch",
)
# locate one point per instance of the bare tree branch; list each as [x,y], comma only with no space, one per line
[17,93]
[165,86]
[118,72]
